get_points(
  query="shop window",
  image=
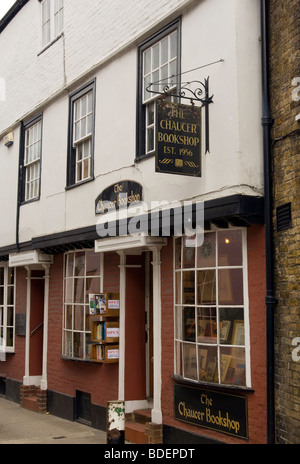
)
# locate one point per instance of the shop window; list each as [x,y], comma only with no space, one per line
[81,136]
[159,64]
[211,312]
[7,309]
[82,276]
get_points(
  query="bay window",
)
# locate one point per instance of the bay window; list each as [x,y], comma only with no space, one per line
[82,276]
[211,309]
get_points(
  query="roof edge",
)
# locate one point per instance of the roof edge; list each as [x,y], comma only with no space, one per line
[12,12]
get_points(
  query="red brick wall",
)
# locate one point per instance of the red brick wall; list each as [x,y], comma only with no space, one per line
[256,400]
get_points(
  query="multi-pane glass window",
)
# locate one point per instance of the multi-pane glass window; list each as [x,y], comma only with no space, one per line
[82,135]
[32,160]
[82,277]
[160,63]
[160,70]
[52,20]
[211,312]
[7,308]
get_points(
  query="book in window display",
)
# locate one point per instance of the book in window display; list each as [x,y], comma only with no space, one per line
[104,327]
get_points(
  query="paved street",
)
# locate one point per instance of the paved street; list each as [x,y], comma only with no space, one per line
[19,426]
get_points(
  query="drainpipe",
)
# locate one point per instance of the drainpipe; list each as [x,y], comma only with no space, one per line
[267,122]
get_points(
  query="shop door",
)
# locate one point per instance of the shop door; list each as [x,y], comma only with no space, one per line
[135,351]
[36,324]
[149,325]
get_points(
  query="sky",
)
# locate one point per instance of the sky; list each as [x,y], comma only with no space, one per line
[5,5]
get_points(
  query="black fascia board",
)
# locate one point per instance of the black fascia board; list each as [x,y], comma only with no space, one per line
[248,209]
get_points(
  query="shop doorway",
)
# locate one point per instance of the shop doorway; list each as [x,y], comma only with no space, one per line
[37,292]
[139,329]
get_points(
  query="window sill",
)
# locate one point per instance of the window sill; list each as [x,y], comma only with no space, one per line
[212,386]
[78,360]
[144,157]
[50,44]
[28,202]
[83,182]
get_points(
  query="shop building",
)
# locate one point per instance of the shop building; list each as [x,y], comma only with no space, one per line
[105,115]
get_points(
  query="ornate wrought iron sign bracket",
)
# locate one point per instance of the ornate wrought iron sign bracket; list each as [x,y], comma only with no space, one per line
[194,91]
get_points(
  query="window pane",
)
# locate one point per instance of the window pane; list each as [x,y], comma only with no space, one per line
[10,317]
[79,264]
[178,288]
[189,361]
[188,287]
[155,56]
[69,290]
[78,344]
[86,169]
[206,287]
[233,366]
[189,325]
[164,75]
[230,248]
[150,139]
[79,314]
[188,255]
[179,323]
[147,61]
[208,364]
[232,326]
[83,128]
[10,337]
[164,50]
[1,276]
[206,254]
[147,81]
[206,325]
[69,317]
[92,264]
[231,287]
[150,114]
[68,344]
[1,296]
[179,364]
[173,45]
[79,291]
[69,265]
[178,253]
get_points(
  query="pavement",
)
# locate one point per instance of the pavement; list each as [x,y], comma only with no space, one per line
[18,426]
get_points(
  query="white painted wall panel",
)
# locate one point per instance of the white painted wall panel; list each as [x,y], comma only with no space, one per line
[94,31]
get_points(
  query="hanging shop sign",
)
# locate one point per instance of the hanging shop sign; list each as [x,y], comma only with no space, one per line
[221,412]
[178,139]
[119,196]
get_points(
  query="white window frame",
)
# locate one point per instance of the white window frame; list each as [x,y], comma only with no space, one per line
[4,309]
[179,342]
[32,160]
[159,65]
[70,280]
[82,137]
[52,20]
